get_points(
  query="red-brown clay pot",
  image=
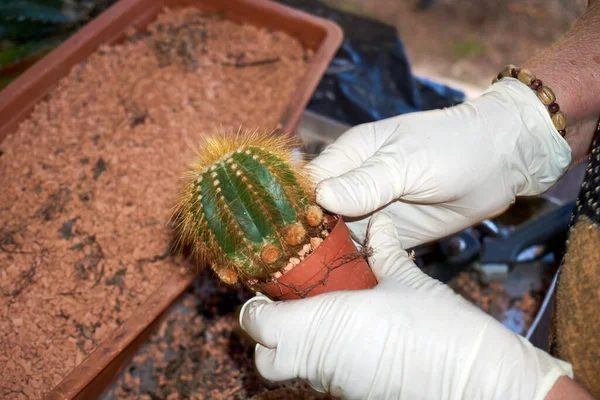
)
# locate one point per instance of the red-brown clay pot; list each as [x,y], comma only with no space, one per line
[325,269]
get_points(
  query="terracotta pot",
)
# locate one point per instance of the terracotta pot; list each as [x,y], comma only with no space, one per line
[335,265]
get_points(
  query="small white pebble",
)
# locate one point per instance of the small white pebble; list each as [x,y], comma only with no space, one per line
[315,242]
[289,266]
[277,274]
[305,249]
[294,261]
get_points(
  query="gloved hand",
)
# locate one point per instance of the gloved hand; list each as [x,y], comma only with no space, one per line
[443,170]
[410,337]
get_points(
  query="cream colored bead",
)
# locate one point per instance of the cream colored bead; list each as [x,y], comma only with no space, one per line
[526,76]
[559,120]
[507,71]
[546,95]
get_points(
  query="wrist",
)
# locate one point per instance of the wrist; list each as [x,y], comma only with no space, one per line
[533,152]
[550,371]
[570,68]
[508,366]
[581,110]
[566,388]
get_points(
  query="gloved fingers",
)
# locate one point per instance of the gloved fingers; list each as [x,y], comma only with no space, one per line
[348,152]
[416,224]
[272,367]
[362,190]
[389,259]
[268,322]
[317,172]
[359,226]
[259,321]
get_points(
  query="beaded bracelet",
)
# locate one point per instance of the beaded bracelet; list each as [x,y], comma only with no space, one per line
[544,93]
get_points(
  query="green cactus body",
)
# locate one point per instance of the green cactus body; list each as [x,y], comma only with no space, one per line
[239,209]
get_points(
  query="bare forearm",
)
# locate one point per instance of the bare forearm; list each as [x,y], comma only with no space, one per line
[568,389]
[571,68]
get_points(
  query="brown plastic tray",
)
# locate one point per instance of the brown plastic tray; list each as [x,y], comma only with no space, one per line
[98,370]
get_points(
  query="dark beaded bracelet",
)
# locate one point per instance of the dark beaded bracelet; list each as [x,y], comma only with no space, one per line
[535,85]
[544,94]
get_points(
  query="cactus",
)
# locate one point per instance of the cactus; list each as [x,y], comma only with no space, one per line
[246,206]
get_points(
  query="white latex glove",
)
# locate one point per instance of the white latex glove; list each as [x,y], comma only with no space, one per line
[449,169]
[410,337]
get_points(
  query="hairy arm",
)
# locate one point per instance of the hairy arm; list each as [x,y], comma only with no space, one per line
[571,68]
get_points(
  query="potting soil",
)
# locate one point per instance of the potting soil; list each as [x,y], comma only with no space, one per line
[199,352]
[516,313]
[89,180]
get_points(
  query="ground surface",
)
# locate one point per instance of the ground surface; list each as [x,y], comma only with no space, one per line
[470,40]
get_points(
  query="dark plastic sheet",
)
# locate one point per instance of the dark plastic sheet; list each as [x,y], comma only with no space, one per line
[370,77]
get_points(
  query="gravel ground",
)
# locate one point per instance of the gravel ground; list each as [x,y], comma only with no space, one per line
[470,40]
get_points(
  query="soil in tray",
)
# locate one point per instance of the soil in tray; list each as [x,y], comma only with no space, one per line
[515,312]
[199,352]
[89,179]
